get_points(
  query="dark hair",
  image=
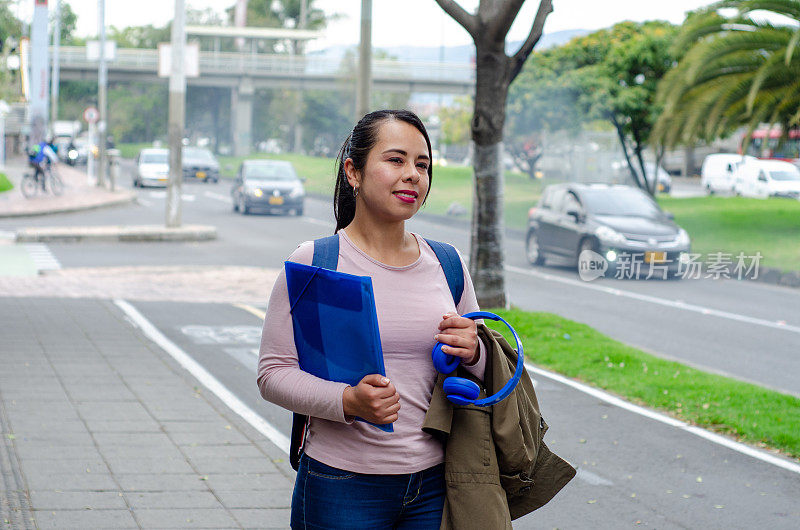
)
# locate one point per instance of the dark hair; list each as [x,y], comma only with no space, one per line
[357,147]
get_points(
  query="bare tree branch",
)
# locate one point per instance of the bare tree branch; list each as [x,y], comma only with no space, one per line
[467,21]
[507,13]
[519,58]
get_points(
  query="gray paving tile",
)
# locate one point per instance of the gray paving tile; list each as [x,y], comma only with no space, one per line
[85,519]
[184,499]
[161,482]
[71,482]
[210,438]
[247,482]
[67,465]
[190,426]
[47,450]
[222,451]
[149,465]
[144,439]
[113,411]
[263,518]
[277,498]
[74,500]
[188,518]
[112,452]
[233,465]
[123,426]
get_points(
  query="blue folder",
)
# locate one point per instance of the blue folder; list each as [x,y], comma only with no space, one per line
[335,325]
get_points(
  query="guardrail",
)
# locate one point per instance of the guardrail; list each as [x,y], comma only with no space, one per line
[268,65]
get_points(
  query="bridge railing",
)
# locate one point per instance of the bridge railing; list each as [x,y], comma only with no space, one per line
[256,65]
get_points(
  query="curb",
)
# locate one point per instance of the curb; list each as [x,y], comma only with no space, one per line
[131,197]
[116,233]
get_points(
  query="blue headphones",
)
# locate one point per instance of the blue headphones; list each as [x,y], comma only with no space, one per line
[462,391]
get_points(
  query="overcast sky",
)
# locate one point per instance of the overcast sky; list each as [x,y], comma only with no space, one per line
[398,22]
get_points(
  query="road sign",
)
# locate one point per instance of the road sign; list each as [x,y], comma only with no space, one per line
[91,115]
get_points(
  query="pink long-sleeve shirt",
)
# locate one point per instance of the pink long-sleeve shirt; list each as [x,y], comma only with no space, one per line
[410,303]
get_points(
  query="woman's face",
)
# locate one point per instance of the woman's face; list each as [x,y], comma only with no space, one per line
[394,181]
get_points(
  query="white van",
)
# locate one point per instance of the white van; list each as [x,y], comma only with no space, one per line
[767,178]
[716,174]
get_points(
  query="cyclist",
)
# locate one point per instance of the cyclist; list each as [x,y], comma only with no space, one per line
[40,156]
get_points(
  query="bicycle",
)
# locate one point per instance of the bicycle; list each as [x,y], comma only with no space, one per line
[49,180]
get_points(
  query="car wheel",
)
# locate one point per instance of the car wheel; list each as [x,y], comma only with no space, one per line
[235,202]
[242,206]
[532,250]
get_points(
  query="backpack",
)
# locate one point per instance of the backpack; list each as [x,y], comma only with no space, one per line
[326,255]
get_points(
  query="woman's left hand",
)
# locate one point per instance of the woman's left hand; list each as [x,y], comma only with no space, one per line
[459,336]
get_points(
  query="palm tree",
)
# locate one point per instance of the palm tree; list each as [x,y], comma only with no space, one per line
[737,70]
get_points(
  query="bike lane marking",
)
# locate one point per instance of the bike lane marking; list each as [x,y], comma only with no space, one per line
[204,377]
[636,409]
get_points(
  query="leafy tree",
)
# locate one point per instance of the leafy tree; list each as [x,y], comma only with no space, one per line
[456,120]
[140,36]
[10,32]
[69,20]
[495,71]
[738,70]
[609,75]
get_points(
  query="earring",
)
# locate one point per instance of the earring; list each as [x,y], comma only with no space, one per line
[355,192]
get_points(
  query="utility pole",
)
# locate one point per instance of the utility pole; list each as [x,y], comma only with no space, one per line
[102,85]
[177,100]
[56,66]
[364,60]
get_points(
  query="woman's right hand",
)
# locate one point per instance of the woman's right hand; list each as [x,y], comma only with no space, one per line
[374,399]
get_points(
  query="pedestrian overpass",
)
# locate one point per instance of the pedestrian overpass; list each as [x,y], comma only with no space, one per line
[245,72]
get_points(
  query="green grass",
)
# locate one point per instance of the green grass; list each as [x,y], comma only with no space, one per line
[5,184]
[450,184]
[748,412]
[736,224]
[716,224]
[131,150]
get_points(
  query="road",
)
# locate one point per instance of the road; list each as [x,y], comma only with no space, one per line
[632,470]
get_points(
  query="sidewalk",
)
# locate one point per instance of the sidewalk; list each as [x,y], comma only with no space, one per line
[102,429]
[78,194]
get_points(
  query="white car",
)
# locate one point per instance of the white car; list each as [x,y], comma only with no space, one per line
[152,168]
[767,178]
[717,172]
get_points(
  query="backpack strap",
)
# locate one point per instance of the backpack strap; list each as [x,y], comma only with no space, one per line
[326,256]
[326,252]
[451,264]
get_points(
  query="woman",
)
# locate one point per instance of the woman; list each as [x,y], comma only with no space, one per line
[354,475]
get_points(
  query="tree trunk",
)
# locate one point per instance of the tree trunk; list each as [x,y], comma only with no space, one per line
[486,249]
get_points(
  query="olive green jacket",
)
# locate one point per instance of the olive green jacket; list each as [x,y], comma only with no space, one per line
[497,467]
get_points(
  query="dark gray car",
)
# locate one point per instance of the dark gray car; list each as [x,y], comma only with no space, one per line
[200,163]
[268,185]
[621,224]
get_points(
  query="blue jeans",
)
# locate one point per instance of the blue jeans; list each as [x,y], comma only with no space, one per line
[327,497]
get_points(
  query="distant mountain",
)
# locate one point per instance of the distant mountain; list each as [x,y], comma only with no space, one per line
[451,54]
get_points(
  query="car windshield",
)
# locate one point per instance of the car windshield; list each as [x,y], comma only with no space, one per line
[784,175]
[198,154]
[269,172]
[628,202]
[154,158]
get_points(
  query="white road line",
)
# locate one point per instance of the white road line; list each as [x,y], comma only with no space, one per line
[675,304]
[42,258]
[218,196]
[144,202]
[205,377]
[636,409]
[672,422]
[163,195]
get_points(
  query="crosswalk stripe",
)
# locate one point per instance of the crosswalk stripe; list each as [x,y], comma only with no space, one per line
[42,258]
